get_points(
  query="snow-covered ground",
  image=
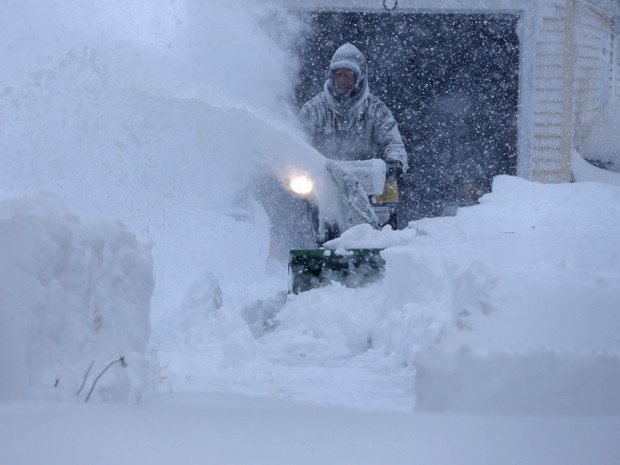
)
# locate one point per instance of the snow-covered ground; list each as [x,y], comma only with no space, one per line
[494,336]
[199,429]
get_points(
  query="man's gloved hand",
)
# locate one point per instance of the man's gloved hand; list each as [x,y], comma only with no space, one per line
[394,168]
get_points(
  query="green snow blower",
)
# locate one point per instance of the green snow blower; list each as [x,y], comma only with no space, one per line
[366,198]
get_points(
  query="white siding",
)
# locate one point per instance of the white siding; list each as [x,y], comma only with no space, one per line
[594,65]
[616,59]
[548,84]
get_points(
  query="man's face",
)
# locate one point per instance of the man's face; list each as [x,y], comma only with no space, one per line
[344,80]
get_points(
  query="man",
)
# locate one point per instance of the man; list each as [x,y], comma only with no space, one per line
[347,122]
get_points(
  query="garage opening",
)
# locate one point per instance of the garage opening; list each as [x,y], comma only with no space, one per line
[451,81]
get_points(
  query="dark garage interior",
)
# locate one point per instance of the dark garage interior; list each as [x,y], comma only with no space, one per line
[451,81]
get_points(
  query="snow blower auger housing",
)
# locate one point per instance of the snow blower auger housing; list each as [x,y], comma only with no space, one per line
[309,269]
[367,198]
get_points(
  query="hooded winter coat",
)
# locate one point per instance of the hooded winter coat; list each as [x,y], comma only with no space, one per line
[353,126]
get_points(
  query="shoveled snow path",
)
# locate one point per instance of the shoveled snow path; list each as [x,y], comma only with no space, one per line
[348,383]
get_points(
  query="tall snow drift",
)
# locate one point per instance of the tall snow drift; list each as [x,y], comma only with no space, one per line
[74,292]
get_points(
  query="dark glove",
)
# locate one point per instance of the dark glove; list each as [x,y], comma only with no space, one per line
[394,168]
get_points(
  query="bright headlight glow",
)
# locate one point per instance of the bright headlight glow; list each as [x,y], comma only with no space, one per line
[301,184]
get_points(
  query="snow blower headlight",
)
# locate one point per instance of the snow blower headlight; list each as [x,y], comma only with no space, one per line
[301,184]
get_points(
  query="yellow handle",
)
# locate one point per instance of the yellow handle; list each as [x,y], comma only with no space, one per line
[390,193]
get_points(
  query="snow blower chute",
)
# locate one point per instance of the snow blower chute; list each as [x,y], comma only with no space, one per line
[365,197]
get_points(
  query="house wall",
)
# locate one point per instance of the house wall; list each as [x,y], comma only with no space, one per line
[547,97]
[616,57]
[593,89]
[576,66]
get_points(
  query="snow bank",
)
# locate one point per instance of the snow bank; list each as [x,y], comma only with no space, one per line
[511,307]
[544,339]
[587,172]
[603,141]
[74,292]
[160,114]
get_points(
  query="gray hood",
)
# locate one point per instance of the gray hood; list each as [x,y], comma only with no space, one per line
[348,56]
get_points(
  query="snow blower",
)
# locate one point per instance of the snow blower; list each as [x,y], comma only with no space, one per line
[365,197]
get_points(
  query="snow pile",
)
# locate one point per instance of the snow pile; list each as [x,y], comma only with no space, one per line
[583,171]
[603,141]
[142,113]
[161,115]
[511,307]
[73,293]
[508,308]
[544,338]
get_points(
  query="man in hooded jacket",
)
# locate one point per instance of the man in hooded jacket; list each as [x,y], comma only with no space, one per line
[347,122]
